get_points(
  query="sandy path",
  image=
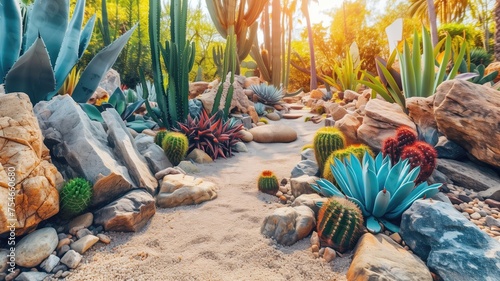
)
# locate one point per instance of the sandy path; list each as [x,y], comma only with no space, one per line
[219,239]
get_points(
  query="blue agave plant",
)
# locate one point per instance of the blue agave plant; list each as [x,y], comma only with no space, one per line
[268,94]
[382,191]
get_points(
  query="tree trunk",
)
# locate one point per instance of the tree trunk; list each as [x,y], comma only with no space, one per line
[433,22]
[314,81]
[497,31]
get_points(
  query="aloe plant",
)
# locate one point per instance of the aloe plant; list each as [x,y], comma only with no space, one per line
[382,191]
[268,94]
[346,73]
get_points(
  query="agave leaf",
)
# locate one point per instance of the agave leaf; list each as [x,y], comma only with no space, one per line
[319,204]
[49,19]
[352,180]
[379,159]
[401,193]
[357,173]
[402,174]
[339,178]
[382,175]
[10,28]
[393,176]
[419,192]
[327,188]
[141,125]
[389,225]
[381,203]
[372,225]
[371,187]
[32,73]
[369,161]
[92,112]
[442,68]
[361,206]
[131,109]
[117,99]
[86,35]
[98,67]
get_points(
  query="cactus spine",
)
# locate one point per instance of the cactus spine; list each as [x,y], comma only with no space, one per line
[75,197]
[326,141]
[268,182]
[175,146]
[160,135]
[357,149]
[340,224]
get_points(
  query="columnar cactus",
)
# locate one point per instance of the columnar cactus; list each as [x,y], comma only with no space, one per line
[268,182]
[340,224]
[356,149]
[160,136]
[326,141]
[175,146]
[75,197]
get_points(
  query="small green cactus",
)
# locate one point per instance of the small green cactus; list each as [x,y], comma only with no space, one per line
[160,135]
[326,141]
[356,149]
[75,197]
[268,182]
[175,146]
[340,224]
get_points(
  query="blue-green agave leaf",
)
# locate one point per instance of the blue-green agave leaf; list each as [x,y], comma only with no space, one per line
[340,174]
[393,176]
[98,67]
[86,35]
[372,225]
[401,193]
[389,225]
[319,204]
[10,28]
[326,188]
[141,125]
[402,175]
[131,108]
[382,175]
[419,192]
[358,172]
[118,100]
[381,203]
[379,159]
[32,73]
[369,161]
[371,187]
[92,112]
[361,206]
[49,19]
[352,180]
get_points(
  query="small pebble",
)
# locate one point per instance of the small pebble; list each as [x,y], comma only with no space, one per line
[396,237]
[321,251]
[482,213]
[279,194]
[61,267]
[63,250]
[329,254]
[58,274]
[492,203]
[469,211]
[98,229]
[61,236]
[314,248]
[83,232]
[65,274]
[75,229]
[11,276]
[464,198]
[104,238]
[475,216]
[491,221]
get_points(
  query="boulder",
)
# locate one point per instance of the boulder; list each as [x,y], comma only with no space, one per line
[171,170]
[83,220]
[199,156]
[466,174]
[467,114]
[36,247]
[421,111]
[4,260]
[307,154]
[82,145]
[129,213]
[110,81]
[273,116]
[309,200]
[197,88]
[448,149]
[305,167]
[240,101]
[288,225]
[454,247]
[350,95]
[335,110]
[188,167]
[378,257]
[494,66]
[381,121]
[302,185]
[180,189]
[124,147]
[273,133]
[240,147]
[349,125]
[25,168]
[154,154]
[71,259]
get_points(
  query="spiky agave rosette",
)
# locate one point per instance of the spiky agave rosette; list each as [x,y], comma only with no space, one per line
[356,149]
[382,191]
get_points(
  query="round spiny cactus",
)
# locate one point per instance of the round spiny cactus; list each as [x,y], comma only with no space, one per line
[340,224]
[268,182]
[75,197]
[423,155]
[327,140]
[357,149]
[160,135]
[175,145]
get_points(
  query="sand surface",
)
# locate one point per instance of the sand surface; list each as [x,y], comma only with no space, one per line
[219,239]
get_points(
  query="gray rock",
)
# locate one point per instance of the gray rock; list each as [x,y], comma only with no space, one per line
[82,144]
[110,81]
[240,147]
[124,147]
[49,263]
[180,189]
[273,116]
[84,220]
[454,247]
[288,225]
[31,276]
[449,149]
[4,259]
[60,267]
[329,122]
[129,213]
[169,171]
[438,177]
[305,167]
[188,167]
[490,221]
[36,246]
[63,250]
[378,257]
[310,201]
[84,243]
[71,259]
[302,185]
[468,175]
[442,197]
[83,232]
[308,154]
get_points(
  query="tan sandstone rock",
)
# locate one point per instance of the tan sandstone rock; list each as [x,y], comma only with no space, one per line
[273,133]
[23,153]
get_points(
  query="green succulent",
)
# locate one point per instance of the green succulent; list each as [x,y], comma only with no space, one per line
[481,78]
[260,108]
[382,191]
[75,197]
[268,94]
[175,145]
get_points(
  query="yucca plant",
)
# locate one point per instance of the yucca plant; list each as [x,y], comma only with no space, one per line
[346,73]
[268,94]
[382,191]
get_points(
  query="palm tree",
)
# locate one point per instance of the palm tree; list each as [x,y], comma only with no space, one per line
[305,11]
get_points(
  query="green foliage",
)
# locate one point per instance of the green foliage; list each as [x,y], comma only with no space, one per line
[459,32]
[357,150]
[218,55]
[340,224]
[480,56]
[326,141]
[260,108]
[268,94]
[346,73]
[160,135]
[175,145]
[382,191]
[75,197]
[481,78]
[268,182]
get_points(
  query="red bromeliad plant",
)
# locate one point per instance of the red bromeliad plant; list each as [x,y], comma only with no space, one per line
[211,134]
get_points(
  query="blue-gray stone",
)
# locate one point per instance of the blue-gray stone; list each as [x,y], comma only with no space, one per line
[448,149]
[308,154]
[305,167]
[453,247]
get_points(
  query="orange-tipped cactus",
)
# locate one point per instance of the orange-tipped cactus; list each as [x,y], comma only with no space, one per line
[268,182]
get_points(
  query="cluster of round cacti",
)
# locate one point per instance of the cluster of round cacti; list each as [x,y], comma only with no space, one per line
[175,145]
[340,224]
[406,146]
[357,150]
[75,197]
[268,182]
[327,140]
[160,135]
